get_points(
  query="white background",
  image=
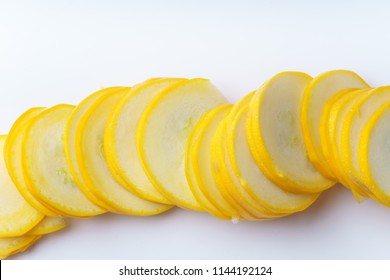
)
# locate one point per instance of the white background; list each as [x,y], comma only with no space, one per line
[60,51]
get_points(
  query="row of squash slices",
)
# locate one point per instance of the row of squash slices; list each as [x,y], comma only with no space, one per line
[177,142]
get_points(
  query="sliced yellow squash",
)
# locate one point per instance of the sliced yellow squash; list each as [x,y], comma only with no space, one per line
[337,116]
[317,93]
[374,149]
[325,124]
[92,162]
[352,128]
[13,160]
[45,166]
[120,138]
[163,131]
[228,183]
[17,216]
[275,134]
[71,144]
[268,194]
[13,245]
[198,164]
[48,225]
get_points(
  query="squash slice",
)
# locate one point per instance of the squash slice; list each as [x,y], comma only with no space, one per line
[325,130]
[120,138]
[337,116]
[92,162]
[71,144]
[17,216]
[330,121]
[48,225]
[13,245]
[352,128]
[163,132]
[228,183]
[317,93]
[198,164]
[374,149]
[277,141]
[268,194]
[13,161]
[45,167]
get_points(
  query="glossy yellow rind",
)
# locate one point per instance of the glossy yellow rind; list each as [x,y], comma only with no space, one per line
[163,131]
[120,138]
[229,185]
[337,116]
[198,163]
[227,181]
[48,225]
[45,166]
[373,154]
[17,216]
[350,171]
[71,143]
[13,245]
[269,195]
[325,123]
[93,166]
[13,160]
[317,93]
[275,134]
[352,128]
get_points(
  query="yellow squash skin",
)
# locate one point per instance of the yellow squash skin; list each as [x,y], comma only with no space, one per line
[317,93]
[16,215]
[94,168]
[351,131]
[71,143]
[271,146]
[268,194]
[45,166]
[13,161]
[120,138]
[48,225]
[367,169]
[326,119]
[227,179]
[198,163]
[13,245]
[338,111]
[158,121]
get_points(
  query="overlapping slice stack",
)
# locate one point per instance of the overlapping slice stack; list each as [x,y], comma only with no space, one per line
[21,224]
[347,134]
[364,144]
[278,148]
[82,161]
[170,142]
[245,168]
